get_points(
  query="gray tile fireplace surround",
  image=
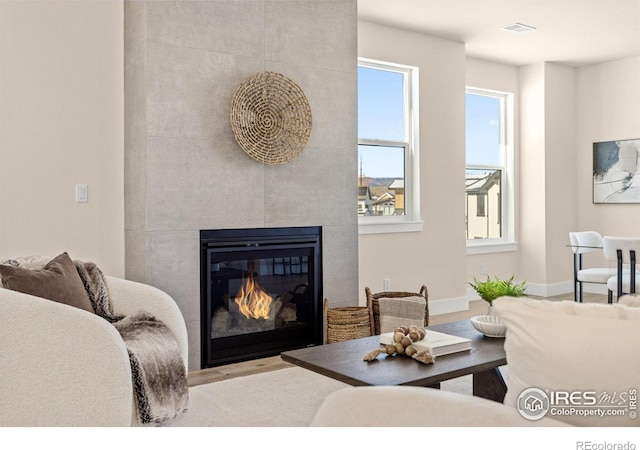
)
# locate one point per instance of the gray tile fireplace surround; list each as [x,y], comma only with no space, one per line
[184,172]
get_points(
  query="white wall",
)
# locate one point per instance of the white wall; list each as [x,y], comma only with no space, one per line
[547,126]
[61,124]
[435,256]
[608,108]
[547,176]
[560,172]
[562,112]
[531,179]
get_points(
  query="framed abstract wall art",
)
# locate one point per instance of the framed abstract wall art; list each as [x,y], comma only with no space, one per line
[616,171]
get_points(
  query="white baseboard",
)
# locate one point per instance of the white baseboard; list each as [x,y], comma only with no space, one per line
[549,290]
[447,306]
[566,287]
[451,305]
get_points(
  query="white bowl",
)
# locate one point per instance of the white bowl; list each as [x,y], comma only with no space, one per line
[489,325]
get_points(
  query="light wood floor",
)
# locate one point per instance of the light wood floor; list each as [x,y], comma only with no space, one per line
[476,307]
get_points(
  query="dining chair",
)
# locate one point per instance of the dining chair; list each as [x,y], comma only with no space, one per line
[623,250]
[586,242]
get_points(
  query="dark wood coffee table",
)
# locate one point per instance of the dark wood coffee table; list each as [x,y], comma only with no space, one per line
[343,361]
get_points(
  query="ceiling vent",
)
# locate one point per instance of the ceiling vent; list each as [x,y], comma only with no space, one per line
[518,28]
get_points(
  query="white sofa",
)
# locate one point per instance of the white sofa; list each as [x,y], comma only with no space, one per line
[412,406]
[552,347]
[63,366]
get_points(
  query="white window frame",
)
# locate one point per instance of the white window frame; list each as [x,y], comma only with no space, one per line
[410,221]
[507,242]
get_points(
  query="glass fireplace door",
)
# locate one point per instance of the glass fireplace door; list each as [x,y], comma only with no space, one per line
[254,294]
[259,300]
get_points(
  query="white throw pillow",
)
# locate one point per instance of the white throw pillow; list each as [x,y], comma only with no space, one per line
[588,351]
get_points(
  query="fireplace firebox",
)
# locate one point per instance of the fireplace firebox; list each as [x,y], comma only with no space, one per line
[261,292]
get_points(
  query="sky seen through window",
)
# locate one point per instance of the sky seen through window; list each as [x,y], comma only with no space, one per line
[381,116]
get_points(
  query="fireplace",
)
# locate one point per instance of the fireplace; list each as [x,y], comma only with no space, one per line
[261,292]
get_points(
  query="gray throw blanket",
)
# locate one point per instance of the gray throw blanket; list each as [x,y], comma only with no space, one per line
[159,376]
[157,368]
[158,373]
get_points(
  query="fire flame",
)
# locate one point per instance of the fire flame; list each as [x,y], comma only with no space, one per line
[252,300]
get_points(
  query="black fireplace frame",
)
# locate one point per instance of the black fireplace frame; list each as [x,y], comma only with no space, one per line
[225,350]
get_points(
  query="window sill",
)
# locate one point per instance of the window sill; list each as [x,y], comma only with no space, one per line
[490,247]
[390,227]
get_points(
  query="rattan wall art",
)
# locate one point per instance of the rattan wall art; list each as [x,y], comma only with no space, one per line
[270,118]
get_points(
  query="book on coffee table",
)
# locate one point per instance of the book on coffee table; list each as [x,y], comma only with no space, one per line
[439,343]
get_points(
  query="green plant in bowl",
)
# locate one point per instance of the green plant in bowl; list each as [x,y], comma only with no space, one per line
[494,287]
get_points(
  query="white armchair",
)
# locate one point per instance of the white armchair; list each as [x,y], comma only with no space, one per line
[63,366]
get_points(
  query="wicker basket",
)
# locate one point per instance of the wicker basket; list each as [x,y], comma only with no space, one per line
[372,303]
[345,323]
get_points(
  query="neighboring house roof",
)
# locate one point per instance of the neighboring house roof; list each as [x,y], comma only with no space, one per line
[381,193]
[378,191]
[397,184]
[386,197]
[482,183]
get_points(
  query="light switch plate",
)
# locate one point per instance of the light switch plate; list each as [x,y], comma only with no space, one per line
[82,193]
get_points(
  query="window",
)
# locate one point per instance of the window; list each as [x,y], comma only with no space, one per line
[489,171]
[387,148]
[480,199]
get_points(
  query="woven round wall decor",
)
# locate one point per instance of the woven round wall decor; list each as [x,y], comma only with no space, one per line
[270,118]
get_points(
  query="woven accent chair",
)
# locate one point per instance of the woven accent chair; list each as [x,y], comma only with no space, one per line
[394,308]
